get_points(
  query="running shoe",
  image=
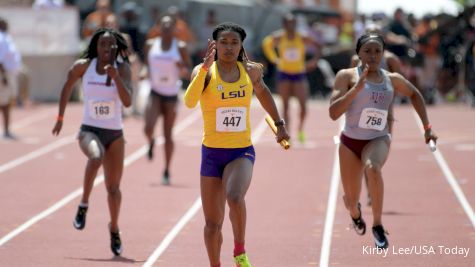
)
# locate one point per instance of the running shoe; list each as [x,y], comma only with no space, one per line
[358,223]
[9,135]
[166,178]
[379,235]
[80,220]
[150,149]
[242,260]
[116,243]
[301,137]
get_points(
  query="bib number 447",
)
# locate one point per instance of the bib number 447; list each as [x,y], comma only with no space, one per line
[231,119]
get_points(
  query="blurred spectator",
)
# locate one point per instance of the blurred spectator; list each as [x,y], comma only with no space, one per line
[10,63]
[359,26]
[48,4]
[346,35]
[428,43]
[135,65]
[398,36]
[470,70]
[206,31]
[155,14]
[182,30]
[131,12]
[97,19]
[398,41]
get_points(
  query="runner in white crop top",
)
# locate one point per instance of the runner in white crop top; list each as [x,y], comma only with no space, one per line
[102,104]
[101,137]
[167,60]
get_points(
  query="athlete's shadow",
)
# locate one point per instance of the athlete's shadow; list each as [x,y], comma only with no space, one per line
[113,259]
[397,213]
[173,185]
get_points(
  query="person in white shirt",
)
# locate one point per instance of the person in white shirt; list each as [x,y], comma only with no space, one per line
[48,4]
[10,63]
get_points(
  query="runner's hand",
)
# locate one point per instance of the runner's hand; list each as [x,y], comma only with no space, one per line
[210,52]
[111,71]
[430,135]
[57,127]
[361,81]
[282,134]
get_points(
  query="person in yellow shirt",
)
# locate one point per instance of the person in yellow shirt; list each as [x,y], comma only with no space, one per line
[291,66]
[224,84]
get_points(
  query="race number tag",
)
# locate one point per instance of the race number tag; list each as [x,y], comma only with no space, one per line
[373,118]
[291,54]
[163,80]
[101,110]
[231,119]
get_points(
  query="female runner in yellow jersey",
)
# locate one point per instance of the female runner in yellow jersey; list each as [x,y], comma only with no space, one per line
[291,66]
[224,84]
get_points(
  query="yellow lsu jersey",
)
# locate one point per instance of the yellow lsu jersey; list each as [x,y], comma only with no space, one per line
[291,54]
[225,108]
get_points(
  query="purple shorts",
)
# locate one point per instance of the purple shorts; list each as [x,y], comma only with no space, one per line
[214,160]
[106,136]
[354,145]
[282,76]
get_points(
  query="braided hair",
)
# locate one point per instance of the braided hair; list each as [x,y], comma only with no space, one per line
[91,50]
[233,27]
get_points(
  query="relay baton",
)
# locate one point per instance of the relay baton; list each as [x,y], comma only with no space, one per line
[284,143]
[432,146]
[111,62]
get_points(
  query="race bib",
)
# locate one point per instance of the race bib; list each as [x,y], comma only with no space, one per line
[291,54]
[373,118]
[101,110]
[231,119]
[164,80]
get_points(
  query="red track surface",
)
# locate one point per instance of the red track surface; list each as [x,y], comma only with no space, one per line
[287,202]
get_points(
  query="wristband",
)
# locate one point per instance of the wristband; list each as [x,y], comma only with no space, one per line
[204,68]
[427,127]
[59,118]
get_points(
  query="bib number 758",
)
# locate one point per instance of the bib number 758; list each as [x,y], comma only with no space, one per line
[373,118]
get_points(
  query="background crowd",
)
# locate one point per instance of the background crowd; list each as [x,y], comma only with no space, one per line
[436,51]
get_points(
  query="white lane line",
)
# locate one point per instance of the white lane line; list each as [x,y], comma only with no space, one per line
[34,118]
[99,179]
[259,131]
[450,178]
[173,233]
[37,153]
[191,212]
[331,206]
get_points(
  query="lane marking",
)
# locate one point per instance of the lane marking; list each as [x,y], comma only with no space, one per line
[37,153]
[99,179]
[191,212]
[33,118]
[450,177]
[331,206]
[173,233]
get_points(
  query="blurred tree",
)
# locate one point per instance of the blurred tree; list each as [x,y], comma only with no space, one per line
[466,3]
